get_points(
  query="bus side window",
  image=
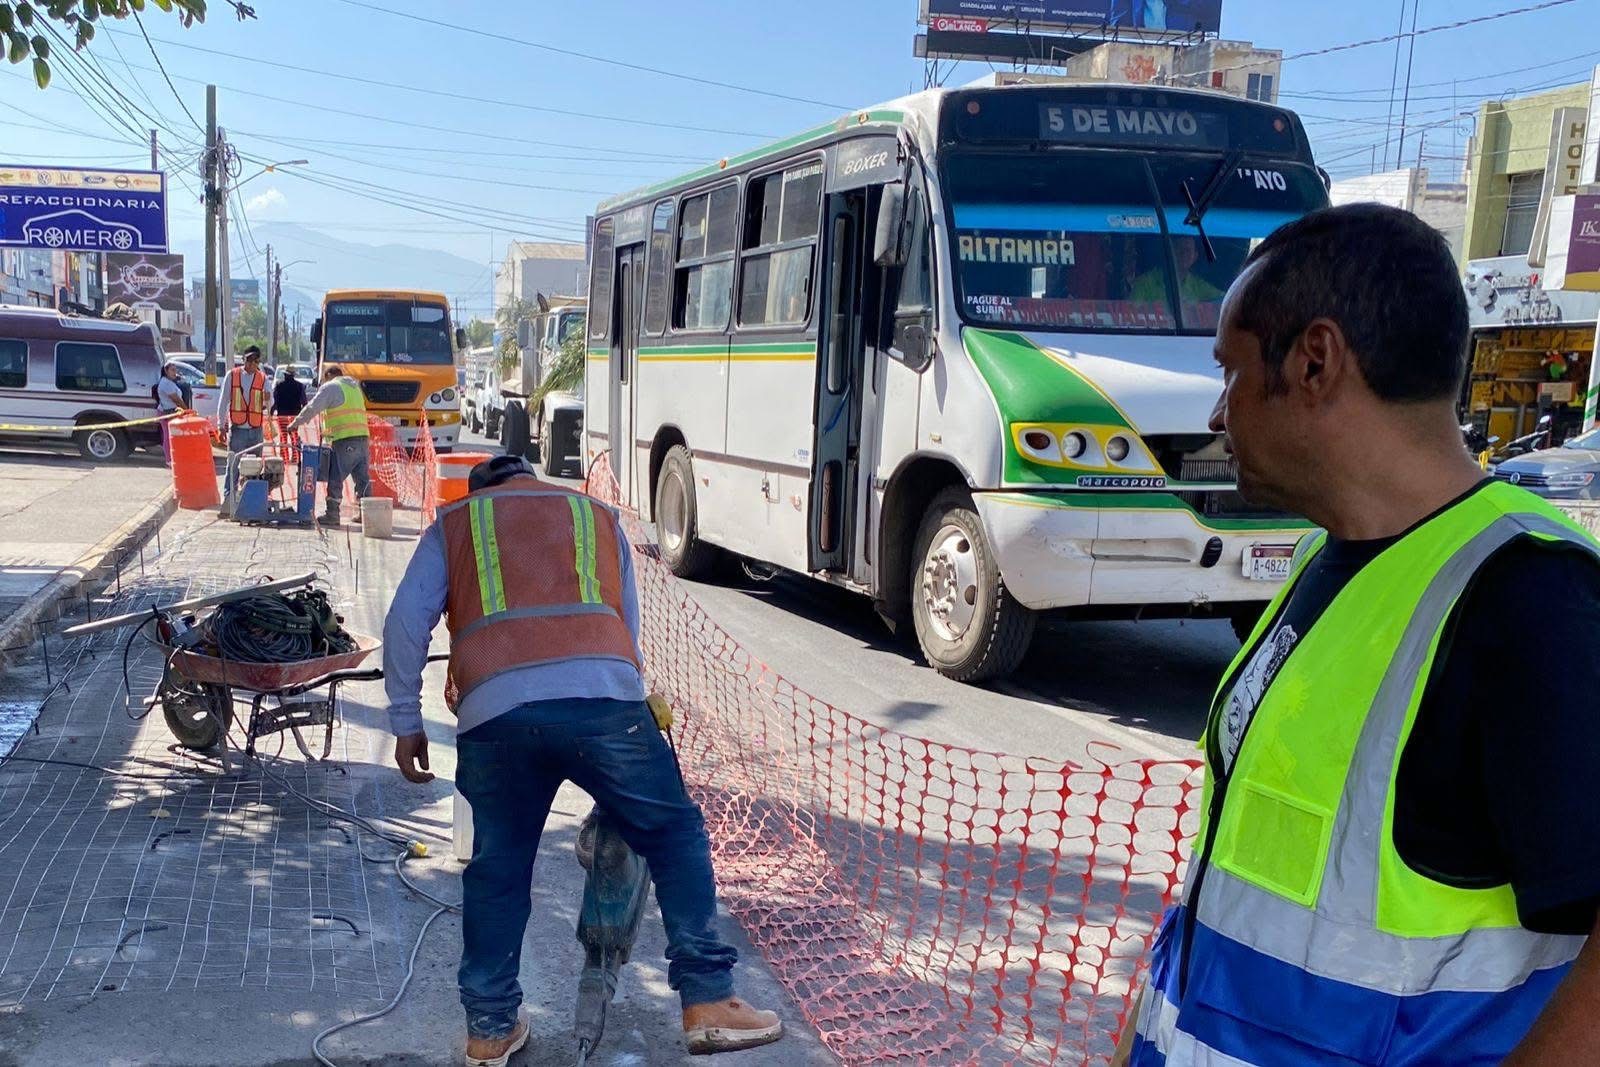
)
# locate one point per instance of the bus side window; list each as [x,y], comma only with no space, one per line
[707,231]
[605,265]
[658,273]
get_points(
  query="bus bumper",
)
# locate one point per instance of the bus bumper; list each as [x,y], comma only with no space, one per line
[445,434]
[1060,550]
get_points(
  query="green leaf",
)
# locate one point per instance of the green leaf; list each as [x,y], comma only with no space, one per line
[85,32]
[25,14]
[41,73]
[91,10]
[165,5]
[41,47]
[19,48]
[138,5]
[8,21]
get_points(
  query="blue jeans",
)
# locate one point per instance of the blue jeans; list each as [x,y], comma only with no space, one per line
[349,459]
[509,769]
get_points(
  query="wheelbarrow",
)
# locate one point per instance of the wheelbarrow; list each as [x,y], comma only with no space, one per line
[197,694]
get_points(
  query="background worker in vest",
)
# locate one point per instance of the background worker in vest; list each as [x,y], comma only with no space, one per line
[1399,857]
[545,683]
[344,430]
[241,412]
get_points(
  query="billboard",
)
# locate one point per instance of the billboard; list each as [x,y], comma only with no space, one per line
[1575,243]
[145,281]
[1159,16]
[76,209]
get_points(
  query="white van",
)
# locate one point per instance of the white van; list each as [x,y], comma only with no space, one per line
[68,375]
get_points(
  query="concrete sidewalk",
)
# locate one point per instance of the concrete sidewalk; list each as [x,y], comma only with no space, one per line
[60,518]
[178,915]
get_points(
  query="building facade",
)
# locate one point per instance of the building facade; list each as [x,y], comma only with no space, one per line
[70,281]
[1533,344]
[531,268]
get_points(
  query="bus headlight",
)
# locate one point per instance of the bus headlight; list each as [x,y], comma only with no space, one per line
[1117,449]
[1074,445]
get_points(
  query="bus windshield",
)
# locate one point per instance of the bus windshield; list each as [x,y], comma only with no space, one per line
[386,331]
[1096,240]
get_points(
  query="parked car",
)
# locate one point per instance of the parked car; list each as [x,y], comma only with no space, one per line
[471,414]
[491,404]
[1567,472]
[70,374]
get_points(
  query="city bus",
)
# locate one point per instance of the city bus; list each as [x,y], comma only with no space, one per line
[953,352]
[398,344]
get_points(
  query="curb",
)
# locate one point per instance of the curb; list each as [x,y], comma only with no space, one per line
[90,572]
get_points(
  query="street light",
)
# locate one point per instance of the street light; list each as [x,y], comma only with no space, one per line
[272,167]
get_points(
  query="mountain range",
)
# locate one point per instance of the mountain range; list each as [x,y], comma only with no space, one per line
[339,263]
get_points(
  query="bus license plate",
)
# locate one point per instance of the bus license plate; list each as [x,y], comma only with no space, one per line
[1268,563]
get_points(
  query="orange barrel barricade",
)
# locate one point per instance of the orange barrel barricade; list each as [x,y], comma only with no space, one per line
[194,472]
[383,451]
[453,471]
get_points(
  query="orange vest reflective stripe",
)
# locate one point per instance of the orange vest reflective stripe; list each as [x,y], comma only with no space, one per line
[554,594]
[248,407]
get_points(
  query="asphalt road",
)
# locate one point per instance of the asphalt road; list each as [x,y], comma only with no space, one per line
[1143,687]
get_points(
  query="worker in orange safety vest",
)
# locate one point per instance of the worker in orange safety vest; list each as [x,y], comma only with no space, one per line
[242,413]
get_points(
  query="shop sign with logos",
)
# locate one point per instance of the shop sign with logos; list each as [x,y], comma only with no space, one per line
[1505,291]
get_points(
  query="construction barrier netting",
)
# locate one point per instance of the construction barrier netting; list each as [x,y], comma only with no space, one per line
[408,476]
[922,903]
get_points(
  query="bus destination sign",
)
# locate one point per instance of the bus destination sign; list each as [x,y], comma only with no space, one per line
[1132,126]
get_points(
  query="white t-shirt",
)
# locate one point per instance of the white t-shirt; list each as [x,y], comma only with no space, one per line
[169,395]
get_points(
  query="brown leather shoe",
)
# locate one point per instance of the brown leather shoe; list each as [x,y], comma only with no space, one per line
[497,1052]
[728,1026]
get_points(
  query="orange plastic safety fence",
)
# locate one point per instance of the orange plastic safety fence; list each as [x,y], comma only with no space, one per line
[923,903]
[409,476]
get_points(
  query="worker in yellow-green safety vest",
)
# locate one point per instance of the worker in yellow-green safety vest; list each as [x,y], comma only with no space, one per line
[343,409]
[1398,852]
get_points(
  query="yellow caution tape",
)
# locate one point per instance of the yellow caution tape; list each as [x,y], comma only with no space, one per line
[661,710]
[15,428]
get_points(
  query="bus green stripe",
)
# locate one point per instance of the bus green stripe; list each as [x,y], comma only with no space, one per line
[838,125]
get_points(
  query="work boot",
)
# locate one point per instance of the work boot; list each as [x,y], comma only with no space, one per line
[330,517]
[497,1051]
[728,1026]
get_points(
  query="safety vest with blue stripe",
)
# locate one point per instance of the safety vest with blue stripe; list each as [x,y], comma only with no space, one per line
[1303,937]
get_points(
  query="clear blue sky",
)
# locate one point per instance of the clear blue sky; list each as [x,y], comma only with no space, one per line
[504,168]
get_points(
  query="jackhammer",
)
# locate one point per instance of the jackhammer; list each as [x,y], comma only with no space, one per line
[614,895]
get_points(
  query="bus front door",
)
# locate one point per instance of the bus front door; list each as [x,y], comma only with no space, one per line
[841,349]
[624,357]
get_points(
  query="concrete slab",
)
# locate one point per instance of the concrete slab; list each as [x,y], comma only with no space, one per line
[173,914]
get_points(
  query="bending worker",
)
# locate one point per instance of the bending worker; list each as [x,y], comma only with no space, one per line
[343,408]
[1398,856]
[544,680]
[241,411]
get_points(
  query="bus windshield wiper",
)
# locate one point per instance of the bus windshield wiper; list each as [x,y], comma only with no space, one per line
[1198,206]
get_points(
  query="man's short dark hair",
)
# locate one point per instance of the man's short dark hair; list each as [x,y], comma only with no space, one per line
[1386,277]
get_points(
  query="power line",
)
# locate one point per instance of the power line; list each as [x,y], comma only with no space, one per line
[446,94]
[608,61]
[1352,94]
[175,95]
[1348,46]
[642,157]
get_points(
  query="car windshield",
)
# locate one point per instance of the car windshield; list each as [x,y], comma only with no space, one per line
[1095,240]
[386,331]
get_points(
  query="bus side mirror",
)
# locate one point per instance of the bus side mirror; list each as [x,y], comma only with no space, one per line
[461,338]
[913,343]
[316,332]
[888,250]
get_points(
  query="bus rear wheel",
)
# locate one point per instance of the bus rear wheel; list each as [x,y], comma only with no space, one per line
[968,624]
[678,518]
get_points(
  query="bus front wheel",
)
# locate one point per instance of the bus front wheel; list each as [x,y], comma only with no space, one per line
[968,624]
[678,518]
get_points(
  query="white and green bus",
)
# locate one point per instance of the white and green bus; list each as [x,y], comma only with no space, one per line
[953,352]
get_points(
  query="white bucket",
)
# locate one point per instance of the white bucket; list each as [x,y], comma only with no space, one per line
[377,516]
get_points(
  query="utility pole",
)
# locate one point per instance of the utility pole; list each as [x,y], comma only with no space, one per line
[211,234]
[274,298]
[154,156]
[225,323]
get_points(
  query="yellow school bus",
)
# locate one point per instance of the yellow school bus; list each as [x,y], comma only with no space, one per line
[398,343]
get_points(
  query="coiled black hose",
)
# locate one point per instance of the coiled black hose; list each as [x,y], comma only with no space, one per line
[273,628]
